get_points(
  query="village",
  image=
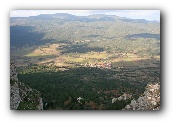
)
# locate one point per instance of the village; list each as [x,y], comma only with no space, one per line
[101,66]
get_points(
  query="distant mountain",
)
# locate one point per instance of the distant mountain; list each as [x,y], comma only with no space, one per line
[66,28]
[90,18]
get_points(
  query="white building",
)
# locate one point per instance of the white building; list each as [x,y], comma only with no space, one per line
[78,99]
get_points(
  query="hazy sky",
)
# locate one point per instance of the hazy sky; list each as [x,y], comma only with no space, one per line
[150,15]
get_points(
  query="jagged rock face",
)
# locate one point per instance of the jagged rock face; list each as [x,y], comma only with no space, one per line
[14,96]
[13,74]
[14,89]
[149,101]
[22,97]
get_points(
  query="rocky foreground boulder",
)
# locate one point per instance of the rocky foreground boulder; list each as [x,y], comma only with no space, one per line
[150,100]
[22,97]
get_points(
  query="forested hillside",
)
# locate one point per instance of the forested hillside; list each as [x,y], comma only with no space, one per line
[83,62]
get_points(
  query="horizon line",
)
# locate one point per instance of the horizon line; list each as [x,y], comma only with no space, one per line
[149,15]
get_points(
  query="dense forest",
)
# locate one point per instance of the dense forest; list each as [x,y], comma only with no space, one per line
[96,58]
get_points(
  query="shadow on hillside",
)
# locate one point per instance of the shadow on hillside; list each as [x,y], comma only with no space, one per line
[27,36]
[80,48]
[25,39]
[147,69]
[93,36]
[144,35]
[134,20]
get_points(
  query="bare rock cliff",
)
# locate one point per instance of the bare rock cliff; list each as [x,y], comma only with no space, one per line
[22,97]
[150,100]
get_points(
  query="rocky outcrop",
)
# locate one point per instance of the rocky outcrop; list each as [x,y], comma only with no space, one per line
[14,96]
[149,101]
[22,97]
[123,97]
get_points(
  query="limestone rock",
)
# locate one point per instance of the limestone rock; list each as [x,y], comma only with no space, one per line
[150,100]
[114,100]
[14,97]
[22,97]
[123,97]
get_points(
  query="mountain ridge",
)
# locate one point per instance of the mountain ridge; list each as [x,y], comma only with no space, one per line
[90,18]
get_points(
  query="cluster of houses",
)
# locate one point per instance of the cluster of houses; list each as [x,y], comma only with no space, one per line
[102,66]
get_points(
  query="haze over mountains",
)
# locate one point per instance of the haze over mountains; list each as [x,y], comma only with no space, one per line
[97,57]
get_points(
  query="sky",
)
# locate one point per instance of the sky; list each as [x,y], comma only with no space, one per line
[150,15]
